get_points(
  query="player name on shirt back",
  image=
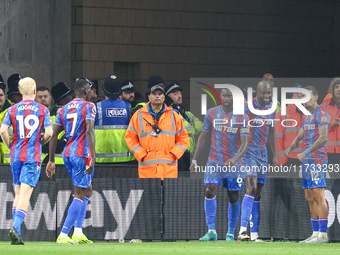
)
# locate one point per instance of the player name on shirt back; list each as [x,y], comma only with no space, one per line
[28,107]
[70,106]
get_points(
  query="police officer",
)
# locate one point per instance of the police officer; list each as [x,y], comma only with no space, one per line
[4,102]
[13,97]
[94,91]
[13,93]
[62,94]
[112,120]
[191,123]
[128,93]
[4,105]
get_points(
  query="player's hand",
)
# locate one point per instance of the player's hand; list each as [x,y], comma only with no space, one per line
[89,168]
[230,162]
[275,162]
[335,122]
[301,156]
[50,169]
[286,153]
[193,166]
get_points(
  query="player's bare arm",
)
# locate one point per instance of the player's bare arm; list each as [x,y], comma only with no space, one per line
[296,143]
[200,147]
[47,135]
[321,141]
[4,135]
[50,167]
[91,141]
[241,151]
[272,144]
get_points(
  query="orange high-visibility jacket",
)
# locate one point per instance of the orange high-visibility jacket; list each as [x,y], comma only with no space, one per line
[286,135]
[333,143]
[157,156]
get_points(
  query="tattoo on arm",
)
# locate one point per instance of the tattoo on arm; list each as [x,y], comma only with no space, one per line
[322,139]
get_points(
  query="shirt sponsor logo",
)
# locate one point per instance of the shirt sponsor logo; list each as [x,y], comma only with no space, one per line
[116,112]
[225,129]
[309,126]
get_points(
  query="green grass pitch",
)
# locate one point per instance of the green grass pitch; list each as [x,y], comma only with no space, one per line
[173,248]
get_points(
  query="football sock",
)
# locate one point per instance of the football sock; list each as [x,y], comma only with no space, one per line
[255,218]
[210,212]
[13,211]
[72,215]
[315,226]
[254,235]
[78,231]
[62,235]
[247,206]
[323,225]
[233,213]
[81,217]
[18,220]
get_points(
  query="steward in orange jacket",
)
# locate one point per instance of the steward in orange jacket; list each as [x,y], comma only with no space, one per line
[157,137]
[332,106]
[286,133]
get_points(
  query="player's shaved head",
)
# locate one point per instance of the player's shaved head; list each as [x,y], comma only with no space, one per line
[263,93]
[80,84]
[268,75]
[82,88]
[263,85]
[227,100]
[27,86]
[225,91]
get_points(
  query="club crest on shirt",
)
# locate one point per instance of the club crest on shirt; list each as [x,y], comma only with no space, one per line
[93,112]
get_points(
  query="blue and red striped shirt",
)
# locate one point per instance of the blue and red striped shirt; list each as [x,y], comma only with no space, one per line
[311,124]
[226,129]
[27,118]
[259,124]
[72,117]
